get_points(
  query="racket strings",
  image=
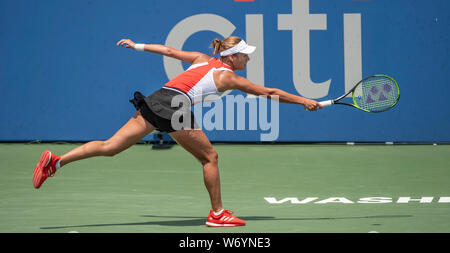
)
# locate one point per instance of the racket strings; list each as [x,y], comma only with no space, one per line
[377,94]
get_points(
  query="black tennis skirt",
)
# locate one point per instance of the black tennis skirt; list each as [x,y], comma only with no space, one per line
[165,109]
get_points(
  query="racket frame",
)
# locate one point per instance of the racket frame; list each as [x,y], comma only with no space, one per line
[336,101]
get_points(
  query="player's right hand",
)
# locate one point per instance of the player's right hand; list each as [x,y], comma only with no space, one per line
[312,105]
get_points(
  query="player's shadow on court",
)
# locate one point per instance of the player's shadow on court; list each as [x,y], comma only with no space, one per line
[188,221]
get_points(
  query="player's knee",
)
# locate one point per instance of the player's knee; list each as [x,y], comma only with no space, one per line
[214,157]
[109,149]
[211,157]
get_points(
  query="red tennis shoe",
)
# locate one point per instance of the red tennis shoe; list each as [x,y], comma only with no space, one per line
[225,219]
[44,168]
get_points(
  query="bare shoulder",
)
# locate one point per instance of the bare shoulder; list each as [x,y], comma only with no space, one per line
[225,80]
[201,58]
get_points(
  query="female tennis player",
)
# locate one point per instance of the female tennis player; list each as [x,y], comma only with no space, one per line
[207,75]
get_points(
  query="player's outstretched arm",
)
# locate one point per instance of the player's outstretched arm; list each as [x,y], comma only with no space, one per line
[189,57]
[229,80]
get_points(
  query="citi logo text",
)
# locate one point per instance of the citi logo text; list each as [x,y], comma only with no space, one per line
[300,22]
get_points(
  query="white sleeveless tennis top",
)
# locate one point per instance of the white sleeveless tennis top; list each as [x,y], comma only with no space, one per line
[197,81]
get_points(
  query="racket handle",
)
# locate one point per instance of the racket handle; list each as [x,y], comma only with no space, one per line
[326,103]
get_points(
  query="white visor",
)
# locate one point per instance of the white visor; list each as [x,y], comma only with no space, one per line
[241,47]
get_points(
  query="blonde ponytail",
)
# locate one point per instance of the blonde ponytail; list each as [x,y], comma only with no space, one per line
[216,45]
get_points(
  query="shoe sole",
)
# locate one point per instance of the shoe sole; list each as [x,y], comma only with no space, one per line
[46,157]
[210,224]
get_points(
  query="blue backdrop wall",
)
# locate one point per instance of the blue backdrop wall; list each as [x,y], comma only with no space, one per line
[62,77]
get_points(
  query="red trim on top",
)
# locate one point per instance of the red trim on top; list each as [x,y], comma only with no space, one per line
[189,78]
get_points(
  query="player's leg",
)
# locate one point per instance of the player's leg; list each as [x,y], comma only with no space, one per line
[196,143]
[131,133]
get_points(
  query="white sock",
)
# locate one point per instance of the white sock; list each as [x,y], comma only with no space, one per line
[58,164]
[218,213]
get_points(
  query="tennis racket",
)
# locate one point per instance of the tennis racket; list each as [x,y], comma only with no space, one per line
[377,93]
